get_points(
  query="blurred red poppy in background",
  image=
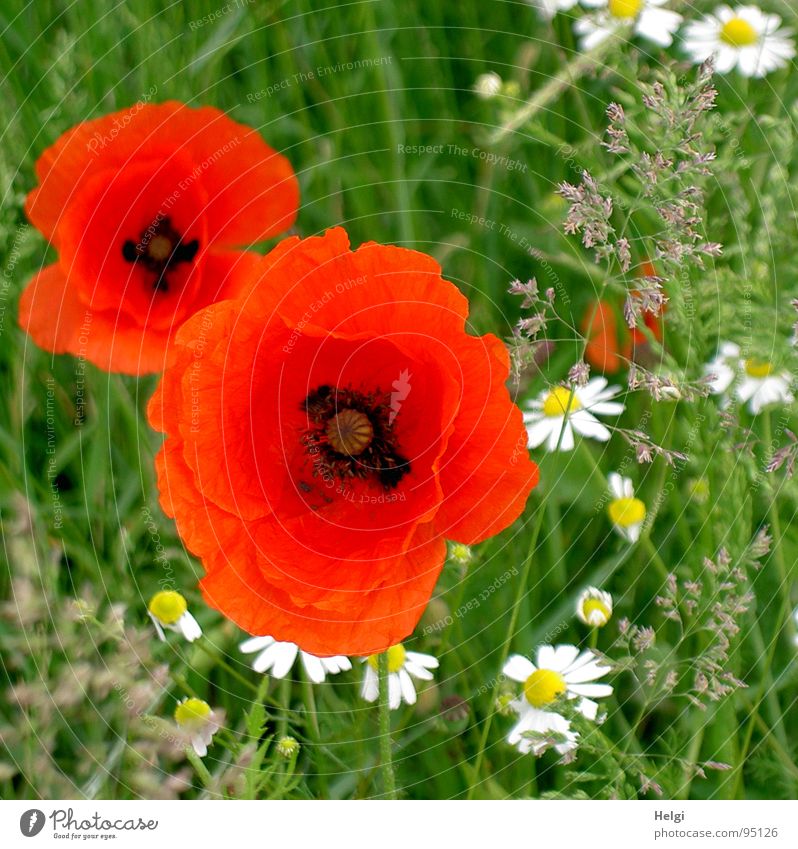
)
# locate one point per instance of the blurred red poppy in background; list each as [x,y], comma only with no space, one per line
[611,344]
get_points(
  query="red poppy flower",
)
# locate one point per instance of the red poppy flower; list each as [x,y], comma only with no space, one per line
[326,433]
[146,208]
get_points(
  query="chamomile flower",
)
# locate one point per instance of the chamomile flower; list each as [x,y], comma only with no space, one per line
[559,672]
[277,658]
[198,721]
[555,411]
[402,664]
[487,86]
[168,609]
[744,37]
[626,512]
[549,8]
[594,607]
[761,385]
[755,382]
[645,17]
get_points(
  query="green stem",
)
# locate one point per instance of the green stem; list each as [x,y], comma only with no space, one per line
[386,758]
[314,733]
[505,650]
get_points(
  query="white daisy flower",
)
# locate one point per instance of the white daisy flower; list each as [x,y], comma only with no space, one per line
[594,607]
[627,513]
[401,665]
[168,609]
[488,85]
[559,672]
[745,38]
[277,659]
[198,721]
[549,8]
[761,385]
[646,18]
[546,416]
[755,382]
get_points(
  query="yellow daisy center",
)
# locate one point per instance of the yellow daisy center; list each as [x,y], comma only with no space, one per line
[558,401]
[737,32]
[543,686]
[758,368]
[167,606]
[627,512]
[592,605]
[396,658]
[192,713]
[625,8]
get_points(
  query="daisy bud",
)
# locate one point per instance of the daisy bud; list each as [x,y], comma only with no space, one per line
[168,609]
[287,747]
[460,553]
[594,607]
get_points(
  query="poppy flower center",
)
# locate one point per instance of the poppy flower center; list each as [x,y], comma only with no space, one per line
[625,8]
[737,32]
[559,401]
[758,368]
[160,249]
[351,434]
[627,512]
[543,686]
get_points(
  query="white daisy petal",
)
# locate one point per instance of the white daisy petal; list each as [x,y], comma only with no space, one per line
[254,644]
[425,660]
[592,690]
[407,686]
[370,689]
[394,690]
[189,627]
[518,668]
[314,667]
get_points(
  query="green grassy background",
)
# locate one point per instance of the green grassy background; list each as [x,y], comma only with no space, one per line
[343,132]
